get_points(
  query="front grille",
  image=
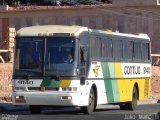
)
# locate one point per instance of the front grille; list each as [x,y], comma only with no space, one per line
[34,88]
[42,89]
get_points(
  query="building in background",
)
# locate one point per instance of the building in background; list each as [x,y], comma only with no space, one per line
[135,2]
[52,2]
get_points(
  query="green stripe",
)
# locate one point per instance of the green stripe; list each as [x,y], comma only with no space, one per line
[115,91]
[50,83]
[110,85]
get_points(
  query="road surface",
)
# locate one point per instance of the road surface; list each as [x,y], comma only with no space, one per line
[103,112]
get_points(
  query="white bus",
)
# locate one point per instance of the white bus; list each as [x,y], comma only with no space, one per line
[108,68]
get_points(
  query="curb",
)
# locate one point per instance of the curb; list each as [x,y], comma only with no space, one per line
[149,101]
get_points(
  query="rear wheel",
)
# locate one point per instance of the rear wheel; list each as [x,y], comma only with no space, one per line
[133,104]
[35,109]
[91,104]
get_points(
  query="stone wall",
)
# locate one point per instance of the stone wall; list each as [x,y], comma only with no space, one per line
[5,80]
[155,82]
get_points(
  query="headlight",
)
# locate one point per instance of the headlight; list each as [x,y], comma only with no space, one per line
[69,89]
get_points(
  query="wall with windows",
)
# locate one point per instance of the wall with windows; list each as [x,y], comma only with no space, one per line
[125,20]
[135,2]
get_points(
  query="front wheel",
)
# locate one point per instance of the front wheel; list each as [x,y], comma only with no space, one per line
[91,104]
[35,109]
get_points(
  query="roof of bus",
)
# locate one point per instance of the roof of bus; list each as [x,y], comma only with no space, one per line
[130,35]
[64,30]
[49,30]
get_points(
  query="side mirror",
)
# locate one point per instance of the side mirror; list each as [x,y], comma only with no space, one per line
[84,50]
[85,56]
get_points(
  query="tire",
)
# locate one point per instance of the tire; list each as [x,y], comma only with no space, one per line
[133,104]
[123,106]
[35,109]
[91,103]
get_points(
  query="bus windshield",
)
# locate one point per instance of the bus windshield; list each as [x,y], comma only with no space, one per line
[58,60]
[39,56]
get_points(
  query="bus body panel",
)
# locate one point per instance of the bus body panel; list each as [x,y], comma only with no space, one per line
[108,78]
[119,81]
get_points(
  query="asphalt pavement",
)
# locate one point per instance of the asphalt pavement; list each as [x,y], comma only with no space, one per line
[147,110]
[9,107]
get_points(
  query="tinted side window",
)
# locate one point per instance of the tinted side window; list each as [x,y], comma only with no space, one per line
[93,46]
[98,47]
[107,48]
[130,49]
[104,48]
[110,48]
[137,51]
[148,50]
[125,50]
[118,49]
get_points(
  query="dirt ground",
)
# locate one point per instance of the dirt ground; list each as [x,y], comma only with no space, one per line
[155,80]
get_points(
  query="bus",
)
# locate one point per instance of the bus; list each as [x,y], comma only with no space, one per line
[109,68]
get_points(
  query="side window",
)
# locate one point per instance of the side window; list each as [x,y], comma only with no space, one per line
[114,49]
[130,49]
[118,46]
[120,50]
[137,51]
[98,47]
[93,46]
[144,51]
[148,51]
[110,48]
[104,48]
[107,49]
[140,51]
[125,50]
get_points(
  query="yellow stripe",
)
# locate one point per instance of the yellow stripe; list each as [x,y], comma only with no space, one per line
[121,83]
[118,70]
[65,83]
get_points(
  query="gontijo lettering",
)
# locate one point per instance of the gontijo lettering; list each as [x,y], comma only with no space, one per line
[132,70]
[136,70]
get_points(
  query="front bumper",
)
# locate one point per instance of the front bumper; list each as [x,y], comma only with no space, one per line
[50,98]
